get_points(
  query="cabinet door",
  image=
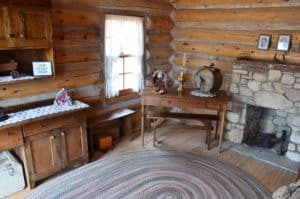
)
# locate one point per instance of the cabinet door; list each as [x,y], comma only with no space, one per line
[3,33]
[9,23]
[74,144]
[44,154]
[36,28]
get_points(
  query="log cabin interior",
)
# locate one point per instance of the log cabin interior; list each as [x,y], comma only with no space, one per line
[149,98]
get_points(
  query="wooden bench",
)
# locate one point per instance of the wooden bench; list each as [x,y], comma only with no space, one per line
[205,118]
[120,115]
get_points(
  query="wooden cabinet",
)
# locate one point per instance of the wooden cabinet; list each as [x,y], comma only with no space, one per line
[62,143]
[44,155]
[7,23]
[25,36]
[74,147]
[36,29]
[25,27]
[2,30]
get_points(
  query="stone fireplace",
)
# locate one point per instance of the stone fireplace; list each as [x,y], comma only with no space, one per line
[260,120]
[266,99]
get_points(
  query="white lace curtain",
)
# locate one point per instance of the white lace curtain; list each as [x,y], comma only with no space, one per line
[123,34]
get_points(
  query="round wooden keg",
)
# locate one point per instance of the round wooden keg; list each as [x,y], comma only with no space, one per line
[208,79]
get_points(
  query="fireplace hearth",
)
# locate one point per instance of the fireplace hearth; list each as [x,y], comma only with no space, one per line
[269,141]
[263,140]
[266,106]
[266,128]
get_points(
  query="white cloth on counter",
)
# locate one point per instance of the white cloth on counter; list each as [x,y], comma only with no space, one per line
[41,111]
[202,94]
[10,78]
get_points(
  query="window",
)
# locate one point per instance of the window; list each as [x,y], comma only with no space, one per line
[124,52]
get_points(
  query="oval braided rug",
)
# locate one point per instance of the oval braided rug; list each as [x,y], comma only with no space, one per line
[153,174]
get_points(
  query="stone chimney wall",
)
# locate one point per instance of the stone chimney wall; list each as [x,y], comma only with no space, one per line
[276,87]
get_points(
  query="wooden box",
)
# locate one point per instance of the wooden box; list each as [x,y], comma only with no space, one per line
[105,143]
[102,132]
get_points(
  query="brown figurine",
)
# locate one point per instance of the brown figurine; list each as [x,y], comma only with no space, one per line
[159,82]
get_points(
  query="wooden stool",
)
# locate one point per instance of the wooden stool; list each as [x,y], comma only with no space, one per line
[207,120]
[120,115]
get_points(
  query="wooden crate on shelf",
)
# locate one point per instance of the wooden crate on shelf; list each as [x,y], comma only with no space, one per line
[105,143]
[105,135]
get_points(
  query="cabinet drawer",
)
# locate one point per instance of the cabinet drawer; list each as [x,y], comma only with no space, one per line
[10,138]
[50,124]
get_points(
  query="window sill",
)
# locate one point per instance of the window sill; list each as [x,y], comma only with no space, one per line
[124,95]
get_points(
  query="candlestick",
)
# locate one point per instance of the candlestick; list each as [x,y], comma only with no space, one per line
[184,60]
[181,82]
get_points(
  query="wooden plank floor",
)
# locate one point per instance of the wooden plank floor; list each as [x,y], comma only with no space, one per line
[188,138]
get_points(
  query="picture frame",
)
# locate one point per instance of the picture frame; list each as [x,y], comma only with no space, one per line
[264,42]
[283,43]
[42,68]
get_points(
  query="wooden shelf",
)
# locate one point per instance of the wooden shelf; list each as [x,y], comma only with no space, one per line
[20,80]
[268,65]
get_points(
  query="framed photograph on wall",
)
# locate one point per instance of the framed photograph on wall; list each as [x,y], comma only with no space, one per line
[284,42]
[264,42]
[42,69]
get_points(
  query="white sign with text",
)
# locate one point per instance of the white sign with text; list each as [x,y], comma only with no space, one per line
[42,68]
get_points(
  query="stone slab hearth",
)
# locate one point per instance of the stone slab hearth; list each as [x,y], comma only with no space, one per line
[272,86]
[268,156]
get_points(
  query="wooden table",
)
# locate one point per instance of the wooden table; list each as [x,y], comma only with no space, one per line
[186,100]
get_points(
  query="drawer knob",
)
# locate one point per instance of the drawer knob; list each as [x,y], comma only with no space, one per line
[52,137]
[62,133]
[22,35]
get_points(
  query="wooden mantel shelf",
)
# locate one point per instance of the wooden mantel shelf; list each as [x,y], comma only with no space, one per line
[267,65]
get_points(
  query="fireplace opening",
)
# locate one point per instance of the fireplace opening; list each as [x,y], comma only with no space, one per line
[266,128]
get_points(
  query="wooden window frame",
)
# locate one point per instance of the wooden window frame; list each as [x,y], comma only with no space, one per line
[123,74]
[125,94]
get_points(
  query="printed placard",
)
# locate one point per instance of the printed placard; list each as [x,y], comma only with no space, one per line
[42,68]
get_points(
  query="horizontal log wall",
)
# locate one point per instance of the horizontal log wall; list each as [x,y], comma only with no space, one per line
[78,36]
[220,31]
[158,43]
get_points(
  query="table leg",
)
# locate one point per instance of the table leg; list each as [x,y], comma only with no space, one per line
[222,129]
[142,123]
[147,126]
[154,133]
[27,163]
